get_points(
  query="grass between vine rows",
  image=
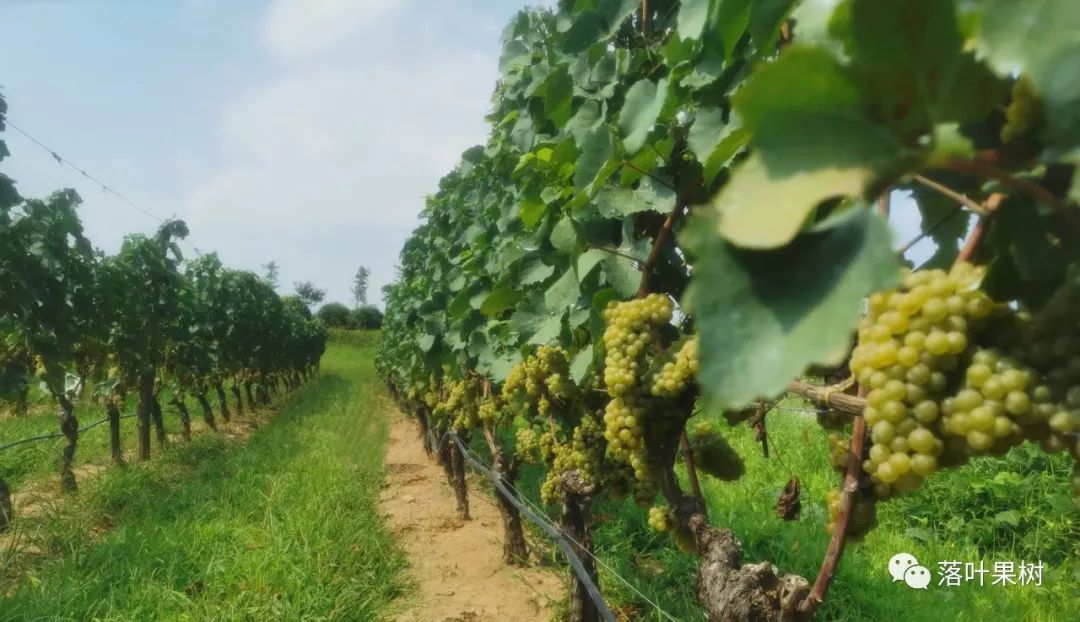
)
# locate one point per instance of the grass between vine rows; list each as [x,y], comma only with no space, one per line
[1013,508]
[283,526]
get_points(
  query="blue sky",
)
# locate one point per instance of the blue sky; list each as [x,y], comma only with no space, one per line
[301,131]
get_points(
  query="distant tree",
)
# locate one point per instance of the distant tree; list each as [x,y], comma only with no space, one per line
[295,303]
[359,288]
[307,292]
[366,316]
[334,314]
[271,275]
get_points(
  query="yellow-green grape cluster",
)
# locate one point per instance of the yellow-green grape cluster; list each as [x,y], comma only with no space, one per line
[546,444]
[712,452]
[987,413]
[676,375]
[541,378]
[1024,112]
[488,411]
[863,515]
[630,327]
[839,453]
[528,444]
[461,404]
[908,343]
[659,518]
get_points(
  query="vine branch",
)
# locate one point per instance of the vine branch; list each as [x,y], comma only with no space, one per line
[634,167]
[614,251]
[852,477]
[658,247]
[988,171]
[946,191]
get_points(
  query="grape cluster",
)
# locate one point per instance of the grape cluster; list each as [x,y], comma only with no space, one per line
[677,374]
[839,453]
[488,411]
[528,444]
[863,515]
[1024,112]
[712,452]
[659,518]
[461,404]
[909,342]
[952,375]
[631,328]
[539,380]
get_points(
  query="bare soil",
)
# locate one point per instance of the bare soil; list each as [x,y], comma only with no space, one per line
[457,566]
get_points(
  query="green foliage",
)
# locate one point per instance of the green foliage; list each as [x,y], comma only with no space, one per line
[307,292]
[367,317]
[334,314]
[360,285]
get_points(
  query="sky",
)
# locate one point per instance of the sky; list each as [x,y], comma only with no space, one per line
[305,132]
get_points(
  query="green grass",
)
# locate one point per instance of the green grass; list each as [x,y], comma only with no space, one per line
[956,516]
[283,526]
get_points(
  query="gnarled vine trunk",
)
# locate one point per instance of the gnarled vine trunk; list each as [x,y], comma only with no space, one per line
[425,429]
[7,512]
[222,401]
[22,401]
[515,548]
[69,427]
[250,397]
[453,464]
[113,412]
[185,416]
[734,592]
[239,401]
[207,411]
[159,421]
[729,590]
[146,398]
[574,521]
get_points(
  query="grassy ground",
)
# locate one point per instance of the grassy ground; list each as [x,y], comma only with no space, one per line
[1002,509]
[283,526]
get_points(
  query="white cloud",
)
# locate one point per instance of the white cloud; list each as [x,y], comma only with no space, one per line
[294,29]
[326,162]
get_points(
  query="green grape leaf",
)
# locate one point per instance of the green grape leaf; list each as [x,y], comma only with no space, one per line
[692,17]
[597,150]
[765,19]
[644,102]
[648,197]
[564,292]
[503,297]
[1040,39]
[773,192]
[764,316]
[564,236]
[731,21]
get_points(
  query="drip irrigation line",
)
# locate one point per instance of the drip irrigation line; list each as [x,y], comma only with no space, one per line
[45,437]
[575,561]
[540,512]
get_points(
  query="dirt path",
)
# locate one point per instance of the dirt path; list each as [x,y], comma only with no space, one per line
[457,566]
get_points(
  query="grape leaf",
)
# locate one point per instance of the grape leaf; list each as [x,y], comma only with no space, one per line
[764,316]
[644,103]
